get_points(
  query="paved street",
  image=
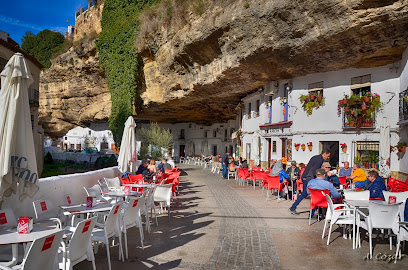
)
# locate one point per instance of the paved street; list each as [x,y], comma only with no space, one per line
[216,224]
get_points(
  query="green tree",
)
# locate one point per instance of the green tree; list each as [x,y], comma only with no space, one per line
[42,46]
[119,60]
[157,138]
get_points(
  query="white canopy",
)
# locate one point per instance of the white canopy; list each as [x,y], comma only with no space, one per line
[18,160]
[127,154]
[384,148]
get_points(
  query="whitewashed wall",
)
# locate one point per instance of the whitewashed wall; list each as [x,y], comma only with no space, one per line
[53,189]
[403,163]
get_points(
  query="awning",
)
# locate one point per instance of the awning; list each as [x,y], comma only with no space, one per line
[277,125]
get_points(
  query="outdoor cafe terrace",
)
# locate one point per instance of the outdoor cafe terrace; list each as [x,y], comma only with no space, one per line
[214,223]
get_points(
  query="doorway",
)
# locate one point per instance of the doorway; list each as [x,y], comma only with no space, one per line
[182,150]
[215,151]
[333,146]
[269,151]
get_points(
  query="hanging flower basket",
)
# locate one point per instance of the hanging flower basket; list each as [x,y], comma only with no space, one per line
[303,146]
[297,145]
[343,147]
[402,147]
[310,146]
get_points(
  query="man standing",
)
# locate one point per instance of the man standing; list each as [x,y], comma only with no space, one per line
[224,161]
[310,173]
[346,171]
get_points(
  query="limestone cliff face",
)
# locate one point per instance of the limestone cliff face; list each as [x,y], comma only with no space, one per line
[199,72]
[73,91]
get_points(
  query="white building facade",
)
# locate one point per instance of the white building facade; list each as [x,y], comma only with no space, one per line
[97,135]
[272,120]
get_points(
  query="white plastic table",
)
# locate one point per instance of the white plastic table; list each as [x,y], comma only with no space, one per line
[10,236]
[82,209]
[121,194]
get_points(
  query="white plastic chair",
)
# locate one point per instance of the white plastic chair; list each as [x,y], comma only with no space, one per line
[45,212]
[79,247]
[382,216]
[109,229]
[162,194]
[95,192]
[7,218]
[130,217]
[68,199]
[113,183]
[354,195]
[343,216]
[401,236]
[401,197]
[149,207]
[41,254]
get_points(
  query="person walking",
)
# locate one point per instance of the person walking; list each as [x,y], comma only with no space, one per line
[310,173]
[224,161]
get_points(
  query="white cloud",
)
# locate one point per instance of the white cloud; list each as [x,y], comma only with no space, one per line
[18,23]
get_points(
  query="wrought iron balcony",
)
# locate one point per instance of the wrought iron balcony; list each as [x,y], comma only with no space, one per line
[357,120]
[403,107]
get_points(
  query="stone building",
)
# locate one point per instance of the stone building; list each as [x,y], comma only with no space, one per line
[8,47]
[272,120]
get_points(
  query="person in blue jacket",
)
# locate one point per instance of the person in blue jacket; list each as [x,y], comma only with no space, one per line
[375,184]
[278,170]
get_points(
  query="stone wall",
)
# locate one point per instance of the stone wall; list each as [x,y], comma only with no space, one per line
[89,22]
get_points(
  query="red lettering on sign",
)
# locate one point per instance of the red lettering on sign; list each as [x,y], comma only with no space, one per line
[43,206]
[116,210]
[48,243]
[86,227]
[135,203]
[3,218]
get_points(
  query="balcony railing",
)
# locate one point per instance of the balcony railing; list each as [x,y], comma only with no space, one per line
[357,121]
[403,107]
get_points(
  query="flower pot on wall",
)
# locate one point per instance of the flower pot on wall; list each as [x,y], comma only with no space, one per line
[402,149]
[344,101]
[310,147]
[303,147]
[366,99]
[346,109]
[319,98]
[363,107]
[312,97]
[297,147]
[344,149]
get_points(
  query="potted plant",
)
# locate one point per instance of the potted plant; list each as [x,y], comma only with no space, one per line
[297,146]
[343,147]
[373,158]
[312,96]
[364,107]
[319,98]
[358,159]
[303,146]
[346,109]
[345,99]
[310,146]
[401,146]
[366,97]
[392,148]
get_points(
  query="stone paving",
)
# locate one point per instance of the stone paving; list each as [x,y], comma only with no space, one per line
[217,224]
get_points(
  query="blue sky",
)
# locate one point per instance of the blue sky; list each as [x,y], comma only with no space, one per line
[19,16]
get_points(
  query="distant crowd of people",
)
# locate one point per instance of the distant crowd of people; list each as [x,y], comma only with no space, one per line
[148,167]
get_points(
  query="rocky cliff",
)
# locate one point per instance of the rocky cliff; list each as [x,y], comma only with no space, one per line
[200,71]
[73,91]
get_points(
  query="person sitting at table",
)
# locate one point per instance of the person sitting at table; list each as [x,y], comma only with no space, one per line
[165,165]
[152,167]
[320,183]
[375,184]
[358,174]
[302,168]
[331,177]
[346,170]
[244,164]
[294,173]
[279,171]
[143,167]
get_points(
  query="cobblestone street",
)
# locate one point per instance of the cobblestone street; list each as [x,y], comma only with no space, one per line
[217,224]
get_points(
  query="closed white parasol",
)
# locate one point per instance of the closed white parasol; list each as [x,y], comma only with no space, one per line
[384,148]
[127,154]
[18,165]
